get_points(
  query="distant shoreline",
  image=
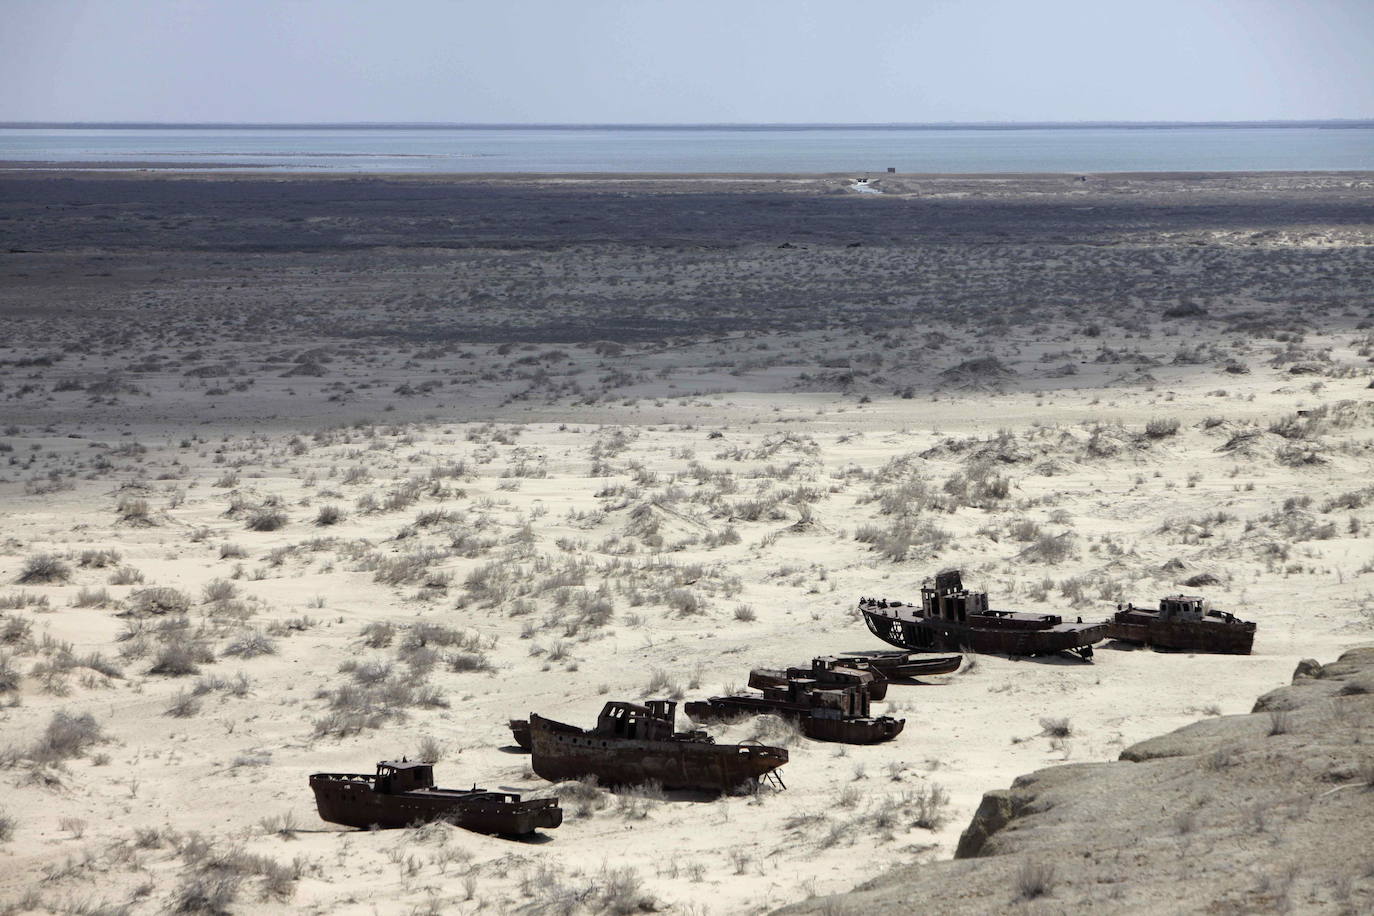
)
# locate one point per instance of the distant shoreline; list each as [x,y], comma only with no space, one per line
[1332,124]
[260,172]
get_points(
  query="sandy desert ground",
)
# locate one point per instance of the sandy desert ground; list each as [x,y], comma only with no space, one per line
[298,474]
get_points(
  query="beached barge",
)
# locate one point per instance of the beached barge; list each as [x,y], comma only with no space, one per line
[402,793]
[633,744]
[1183,622]
[951,617]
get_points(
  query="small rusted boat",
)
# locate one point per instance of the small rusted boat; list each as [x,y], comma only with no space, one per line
[825,669]
[896,666]
[402,793]
[520,731]
[633,744]
[1185,623]
[951,617]
[823,714]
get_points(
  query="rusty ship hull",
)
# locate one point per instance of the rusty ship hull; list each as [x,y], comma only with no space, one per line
[520,731]
[560,751]
[901,666]
[1182,636]
[352,799]
[819,725]
[907,628]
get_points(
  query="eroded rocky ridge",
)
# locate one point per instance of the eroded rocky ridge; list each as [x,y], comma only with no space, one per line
[1269,811]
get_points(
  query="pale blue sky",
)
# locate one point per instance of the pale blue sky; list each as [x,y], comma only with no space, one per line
[665,61]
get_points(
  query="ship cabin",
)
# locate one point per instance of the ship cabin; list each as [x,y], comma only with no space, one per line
[949,600]
[653,721]
[1181,607]
[395,777]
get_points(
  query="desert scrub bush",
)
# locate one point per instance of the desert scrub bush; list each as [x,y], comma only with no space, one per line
[584,795]
[15,631]
[267,518]
[91,597]
[251,645]
[903,539]
[378,695]
[18,600]
[927,806]
[776,731]
[126,575]
[411,569]
[745,613]
[98,559]
[660,685]
[1161,427]
[7,825]
[230,551]
[1034,879]
[44,569]
[1051,548]
[378,634]
[179,657]
[65,737]
[134,511]
[183,705]
[328,515]
[158,601]
[1056,727]
[9,674]
[218,590]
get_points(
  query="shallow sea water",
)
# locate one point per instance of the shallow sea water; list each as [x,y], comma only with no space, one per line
[697,150]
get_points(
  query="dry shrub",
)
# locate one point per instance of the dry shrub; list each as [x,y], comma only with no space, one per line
[44,569]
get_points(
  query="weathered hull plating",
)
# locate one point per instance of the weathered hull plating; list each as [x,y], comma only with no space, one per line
[1185,636]
[562,752]
[350,799]
[927,634]
[844,729]
[766,678]
[520,731]
[902,665]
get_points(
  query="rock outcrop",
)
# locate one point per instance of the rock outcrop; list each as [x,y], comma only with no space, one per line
[1273,810]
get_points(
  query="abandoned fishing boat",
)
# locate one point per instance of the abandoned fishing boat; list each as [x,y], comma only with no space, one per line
[1183,622]
[633,744]
[823,712]
[520,731]
[827,670]
[951,617]
[902,665]
[403,793]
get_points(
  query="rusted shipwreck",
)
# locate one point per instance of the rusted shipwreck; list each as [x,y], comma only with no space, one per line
[950,617]
[402,793]
[896,666]
[824,712]
[633,744]
[520,731]
[825,670]
[1183,622]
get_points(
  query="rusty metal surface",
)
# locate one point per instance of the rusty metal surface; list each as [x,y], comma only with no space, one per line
[520,731]
[951,617]
[403,793]
[1181,622]
[633,744]
[825,669]
[902,665]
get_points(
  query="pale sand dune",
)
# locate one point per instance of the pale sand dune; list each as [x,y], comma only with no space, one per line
[542,465]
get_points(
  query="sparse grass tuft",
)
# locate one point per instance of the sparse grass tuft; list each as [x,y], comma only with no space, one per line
[1034,879]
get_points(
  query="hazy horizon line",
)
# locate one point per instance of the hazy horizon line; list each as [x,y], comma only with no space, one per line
[704,125]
